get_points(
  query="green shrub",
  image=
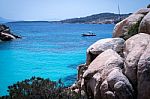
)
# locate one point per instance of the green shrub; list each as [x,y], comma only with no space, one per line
[39,88]
[132,31]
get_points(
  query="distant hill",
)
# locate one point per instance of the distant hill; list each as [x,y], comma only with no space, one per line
[102,18]
[3,20]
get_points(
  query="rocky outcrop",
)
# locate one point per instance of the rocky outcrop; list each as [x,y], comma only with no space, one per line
[122,28]
[117,68]
[5,34]
[130,26]
[110,76]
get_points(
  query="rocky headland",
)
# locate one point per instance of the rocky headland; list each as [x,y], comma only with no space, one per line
[119,67]
[6,34]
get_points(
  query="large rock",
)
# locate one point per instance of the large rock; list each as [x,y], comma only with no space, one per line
[119,84]
[145,24]
[100,46]
[104,63]
[122,28]
[144,75]
[5,34]
[99,69]
[134,48]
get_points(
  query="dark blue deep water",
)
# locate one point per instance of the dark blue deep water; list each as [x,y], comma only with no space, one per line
[46,50]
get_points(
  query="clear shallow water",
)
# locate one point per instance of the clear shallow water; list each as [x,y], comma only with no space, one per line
[46,50]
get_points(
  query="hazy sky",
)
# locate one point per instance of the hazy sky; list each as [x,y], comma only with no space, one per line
[62,9]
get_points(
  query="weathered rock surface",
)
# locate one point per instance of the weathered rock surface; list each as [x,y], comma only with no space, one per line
[134,47]
[137,64]
[130,26]
[121,29]
[143,74]
[100,46]
[104,63]
[116,86]
[145,24]
[5,34]
[120,85]
[99,69]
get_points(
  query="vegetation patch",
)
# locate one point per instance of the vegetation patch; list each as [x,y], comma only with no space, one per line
[39,88]
[132,30]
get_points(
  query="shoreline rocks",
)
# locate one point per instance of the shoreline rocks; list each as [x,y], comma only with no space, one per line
[6,34]
[119,68]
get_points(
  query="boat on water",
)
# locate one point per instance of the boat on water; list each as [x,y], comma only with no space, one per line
[89,34]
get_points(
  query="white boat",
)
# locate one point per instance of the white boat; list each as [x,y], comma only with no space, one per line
[88,34]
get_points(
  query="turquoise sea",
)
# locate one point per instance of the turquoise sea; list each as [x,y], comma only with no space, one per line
[46,50]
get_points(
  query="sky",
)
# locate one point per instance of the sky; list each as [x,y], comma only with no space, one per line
[50,10]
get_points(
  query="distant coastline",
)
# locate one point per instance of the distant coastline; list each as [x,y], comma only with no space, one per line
[102,18]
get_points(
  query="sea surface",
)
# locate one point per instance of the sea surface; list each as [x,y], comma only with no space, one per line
[46,50]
